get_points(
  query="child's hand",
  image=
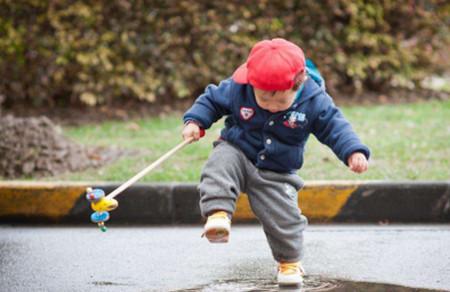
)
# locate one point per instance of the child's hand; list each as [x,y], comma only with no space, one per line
[191,131]
[358,162]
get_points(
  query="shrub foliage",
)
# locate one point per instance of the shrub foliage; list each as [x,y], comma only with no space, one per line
[60,52]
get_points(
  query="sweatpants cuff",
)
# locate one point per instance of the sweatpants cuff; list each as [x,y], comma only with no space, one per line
[290,260]
[217,205]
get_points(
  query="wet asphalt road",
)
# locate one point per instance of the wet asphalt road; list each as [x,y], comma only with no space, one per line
[176,258]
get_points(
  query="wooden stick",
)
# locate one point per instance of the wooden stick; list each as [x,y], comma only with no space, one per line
[147,169]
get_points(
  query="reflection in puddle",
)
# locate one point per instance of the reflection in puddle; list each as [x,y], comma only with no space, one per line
[311,283]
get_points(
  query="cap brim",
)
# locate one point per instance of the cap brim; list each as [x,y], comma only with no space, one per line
[241,74]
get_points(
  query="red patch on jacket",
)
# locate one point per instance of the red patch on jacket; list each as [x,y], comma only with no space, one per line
[247,113]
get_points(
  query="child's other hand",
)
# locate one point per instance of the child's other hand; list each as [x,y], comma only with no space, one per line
[191,131]
[358,162]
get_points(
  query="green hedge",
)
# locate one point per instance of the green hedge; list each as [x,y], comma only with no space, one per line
[56,52]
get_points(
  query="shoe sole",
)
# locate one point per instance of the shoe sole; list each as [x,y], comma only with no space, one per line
[217,235]
[292,284]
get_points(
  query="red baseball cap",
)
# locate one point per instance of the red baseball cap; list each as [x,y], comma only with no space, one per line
[271,65]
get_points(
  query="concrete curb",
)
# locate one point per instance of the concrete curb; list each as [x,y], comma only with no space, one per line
[175,203]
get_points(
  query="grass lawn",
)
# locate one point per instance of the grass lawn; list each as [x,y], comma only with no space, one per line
[408,142]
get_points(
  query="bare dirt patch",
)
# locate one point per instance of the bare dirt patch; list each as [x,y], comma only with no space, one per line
[36,147]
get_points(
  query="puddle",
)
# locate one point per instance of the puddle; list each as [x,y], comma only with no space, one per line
[311,283]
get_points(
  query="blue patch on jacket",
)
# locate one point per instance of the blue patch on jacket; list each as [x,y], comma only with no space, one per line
[276,141]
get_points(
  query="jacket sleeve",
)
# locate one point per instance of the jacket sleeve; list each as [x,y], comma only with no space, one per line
[332,129]
[214,103]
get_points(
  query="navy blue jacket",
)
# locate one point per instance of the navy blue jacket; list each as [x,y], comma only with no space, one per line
[276,141]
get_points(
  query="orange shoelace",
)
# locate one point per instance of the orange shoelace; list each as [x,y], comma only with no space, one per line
[219,214]
[289,268]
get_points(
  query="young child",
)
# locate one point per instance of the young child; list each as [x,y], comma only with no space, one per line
[272,103]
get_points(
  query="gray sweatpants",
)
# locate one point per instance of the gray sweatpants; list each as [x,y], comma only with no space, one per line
[272,197]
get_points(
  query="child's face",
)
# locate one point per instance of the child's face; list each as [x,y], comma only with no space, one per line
[274,101]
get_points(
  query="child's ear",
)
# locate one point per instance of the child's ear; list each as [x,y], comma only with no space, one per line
[300,77]
[298,80]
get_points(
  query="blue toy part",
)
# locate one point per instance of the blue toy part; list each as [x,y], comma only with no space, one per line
[95,195]
[97,217]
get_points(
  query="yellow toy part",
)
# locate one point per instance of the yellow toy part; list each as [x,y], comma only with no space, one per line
[104,204]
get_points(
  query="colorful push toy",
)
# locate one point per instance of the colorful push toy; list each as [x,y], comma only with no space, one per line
[102,204]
